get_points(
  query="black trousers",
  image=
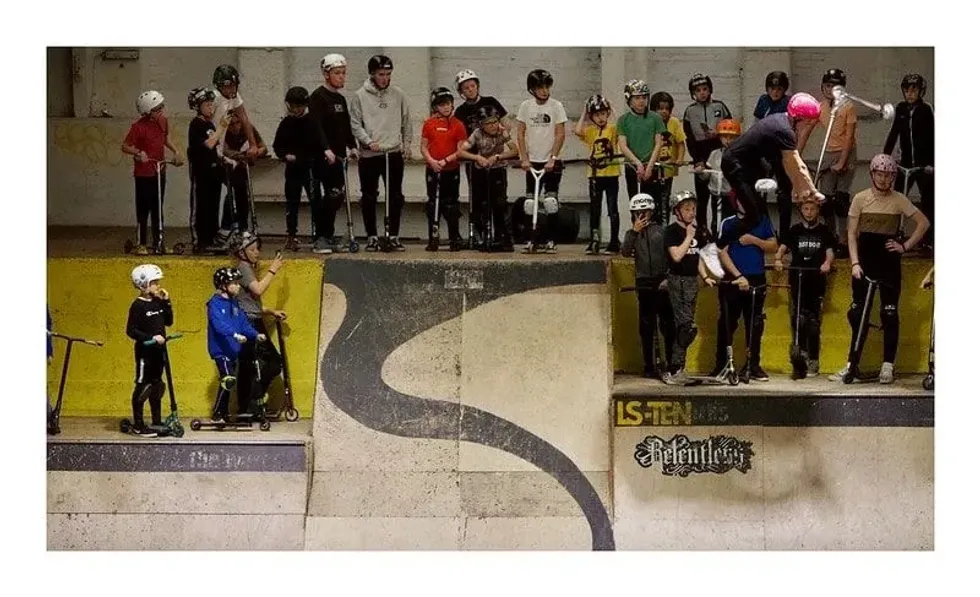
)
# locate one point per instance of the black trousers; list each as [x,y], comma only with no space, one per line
[149,203]
[608,186]
[550,182]
[739,305]
[328,196]
[655,314]
[369,171]
[810,309]
[754,205]
[149,384]
[490,194]
[258,364]
[205,200]
[297,178]
[235,212]
[927,197]
[445,184]
[889,274]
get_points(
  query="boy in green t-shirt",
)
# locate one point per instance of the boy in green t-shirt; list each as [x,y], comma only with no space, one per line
[640,140]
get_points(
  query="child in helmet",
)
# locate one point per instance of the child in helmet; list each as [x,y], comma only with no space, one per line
[205,168]
[470,113]
[601,137]
[774,100]
[486,149]
[701,120]
[673,141]
[640,140]
[298,144]
[744,261]
[381,123]
[145,141]
[684,241]
[540,137]
[834,180]
[149,316]
[645,242]
[442,134]
[812,244]
[259,362]
[229,102]
[914,128]
[228,329]
[238,153]
[875,248]
[768,150]
[727,131]
[331,120]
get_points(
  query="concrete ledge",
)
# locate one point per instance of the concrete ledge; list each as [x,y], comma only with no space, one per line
[177,457]
[357,533]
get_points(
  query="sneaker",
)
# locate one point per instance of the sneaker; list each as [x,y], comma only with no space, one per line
[141,250]
[678,379]
[839,376]
[222,419]
[396,245]
[887,373]
[322,246]
[612,249]
[291,243]
[592,248]
[373,244]
[144,432]
[456,245]
[550,247]
[758,374]
[812,368]
[433,245]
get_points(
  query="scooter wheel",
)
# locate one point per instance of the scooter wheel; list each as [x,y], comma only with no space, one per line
[265,425]
[196,425]
[848,377]
[292,415]
[353,247]
[125,426]
[929,383]
[178,431]
[733,379]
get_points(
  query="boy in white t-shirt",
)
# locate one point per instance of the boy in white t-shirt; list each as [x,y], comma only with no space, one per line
[226,80]
[540,136]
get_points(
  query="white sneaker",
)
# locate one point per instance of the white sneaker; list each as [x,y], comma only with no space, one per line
[887,373]
[839,376]
[709,254]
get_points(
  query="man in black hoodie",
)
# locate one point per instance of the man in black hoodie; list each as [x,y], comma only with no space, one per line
[328,109]
[298,144]
[915,130]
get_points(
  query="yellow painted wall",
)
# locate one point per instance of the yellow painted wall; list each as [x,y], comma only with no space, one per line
[91,298]
[915,317]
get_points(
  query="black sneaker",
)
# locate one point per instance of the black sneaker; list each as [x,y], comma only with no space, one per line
[396,245]
[456,245]
[144,432]
[613,249]
[433,245]
[373,244]
[758,374]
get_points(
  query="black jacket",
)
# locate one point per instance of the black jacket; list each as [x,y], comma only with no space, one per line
[914,128]
[297,135]
[331,119]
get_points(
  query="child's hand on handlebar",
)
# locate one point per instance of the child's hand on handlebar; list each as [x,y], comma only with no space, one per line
[159,339]
[261,338]
[239,338]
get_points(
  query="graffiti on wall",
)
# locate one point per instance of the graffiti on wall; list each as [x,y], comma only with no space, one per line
[98,142]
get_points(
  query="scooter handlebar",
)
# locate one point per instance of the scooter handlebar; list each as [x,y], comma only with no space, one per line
[151,341]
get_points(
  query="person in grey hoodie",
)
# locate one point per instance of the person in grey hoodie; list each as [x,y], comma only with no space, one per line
[379,118]
[645,242]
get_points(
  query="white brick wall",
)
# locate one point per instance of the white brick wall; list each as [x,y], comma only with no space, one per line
[671,68]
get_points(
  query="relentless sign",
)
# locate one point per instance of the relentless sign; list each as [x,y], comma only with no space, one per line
[681,456]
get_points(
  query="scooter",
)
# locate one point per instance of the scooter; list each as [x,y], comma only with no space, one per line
[287,410]
[161,248]
[171,425]
[54,415]
[352,246]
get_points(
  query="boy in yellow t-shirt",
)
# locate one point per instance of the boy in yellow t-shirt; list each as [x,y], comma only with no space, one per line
[673,140]
[600,135]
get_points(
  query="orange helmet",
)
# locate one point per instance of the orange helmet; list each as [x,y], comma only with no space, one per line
[729,126]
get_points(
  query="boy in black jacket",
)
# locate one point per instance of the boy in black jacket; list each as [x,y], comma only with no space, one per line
[297,144]
[645,243]
[149,316]
[914,128]
[700,127]
[205,168]
[331,121]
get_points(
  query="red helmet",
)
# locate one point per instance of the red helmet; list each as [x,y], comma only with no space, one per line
[884,163]
[803,106]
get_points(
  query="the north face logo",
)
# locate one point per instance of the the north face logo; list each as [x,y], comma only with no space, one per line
[541,119]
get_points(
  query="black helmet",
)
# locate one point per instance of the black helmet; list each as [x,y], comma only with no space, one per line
[225,74]
[834,76]
[486,114]
[198,96]
[298,96]
[914,80]
[440,95]
[379,62]
[224,276]
[539,78]
[777,78]
[662,97]
[700,79]
[597,103]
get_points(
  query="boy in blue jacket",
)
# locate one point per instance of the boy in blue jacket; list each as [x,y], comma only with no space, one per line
[228,329]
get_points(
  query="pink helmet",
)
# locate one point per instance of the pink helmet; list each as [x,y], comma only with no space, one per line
[803,106]
[884,163]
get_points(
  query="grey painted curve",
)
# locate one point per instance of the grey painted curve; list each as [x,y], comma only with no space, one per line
[390,302]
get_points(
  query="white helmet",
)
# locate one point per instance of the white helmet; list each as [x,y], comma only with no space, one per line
[464,76]
[144,274]
[641,201]
[148,100]
[331,61]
